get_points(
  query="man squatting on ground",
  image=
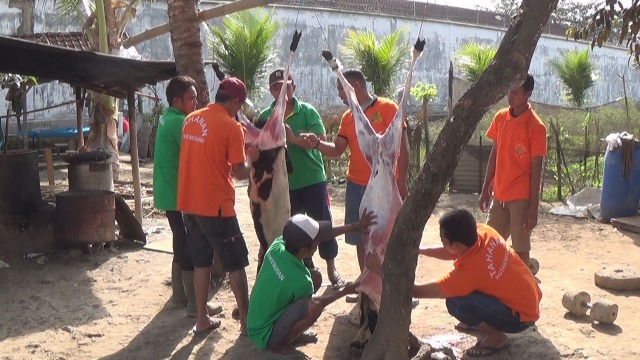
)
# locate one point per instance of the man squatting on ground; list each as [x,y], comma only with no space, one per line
[282,304]
[490,290]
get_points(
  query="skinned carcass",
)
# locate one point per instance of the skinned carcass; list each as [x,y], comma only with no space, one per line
[381,194]
[268,180]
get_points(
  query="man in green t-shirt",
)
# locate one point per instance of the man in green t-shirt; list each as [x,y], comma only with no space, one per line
[182,98]
[282,305]
[307,183]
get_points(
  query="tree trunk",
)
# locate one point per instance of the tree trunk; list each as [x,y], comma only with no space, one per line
[187,46]
[390,339]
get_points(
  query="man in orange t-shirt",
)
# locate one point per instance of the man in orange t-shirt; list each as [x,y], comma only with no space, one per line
[514,170]
[212,147]
[380,112]
[490,289]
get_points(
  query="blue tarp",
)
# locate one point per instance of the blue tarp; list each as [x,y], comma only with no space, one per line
[62,133]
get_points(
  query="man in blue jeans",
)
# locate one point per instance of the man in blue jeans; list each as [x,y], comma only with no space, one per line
[490,289]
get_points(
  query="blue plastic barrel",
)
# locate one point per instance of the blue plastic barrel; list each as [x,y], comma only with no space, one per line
[620,197]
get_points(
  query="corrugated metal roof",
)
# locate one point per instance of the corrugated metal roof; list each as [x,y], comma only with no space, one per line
[104,73]
[71,40]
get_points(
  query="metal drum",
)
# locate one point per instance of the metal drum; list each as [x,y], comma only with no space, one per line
[85,217]
[90,176]
[19,182]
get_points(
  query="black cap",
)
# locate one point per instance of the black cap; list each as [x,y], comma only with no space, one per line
[277,76]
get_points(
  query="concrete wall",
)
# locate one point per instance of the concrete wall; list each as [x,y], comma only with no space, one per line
[325,29]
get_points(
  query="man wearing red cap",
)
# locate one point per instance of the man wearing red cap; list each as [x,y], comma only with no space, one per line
[307,183]
[212,148]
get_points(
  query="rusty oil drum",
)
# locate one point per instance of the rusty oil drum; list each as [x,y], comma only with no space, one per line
[19,182]
[84,217]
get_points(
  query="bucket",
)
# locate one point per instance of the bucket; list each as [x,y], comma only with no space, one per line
[90,171]
[620,197]
[84,217]
[90,176]
[19,182]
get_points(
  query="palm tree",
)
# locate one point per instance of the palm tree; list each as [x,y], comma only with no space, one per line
[379,61]
[243,45]
[473,59]
[576,70]
[186,43]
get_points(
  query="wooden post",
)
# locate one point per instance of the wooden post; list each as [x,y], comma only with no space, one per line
[79,107]
[480,177]
[450,100]
[25,126]
[49,158]
[135,164]
[6,131]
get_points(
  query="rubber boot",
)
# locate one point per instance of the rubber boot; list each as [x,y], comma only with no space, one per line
[213,308]
[178,298]
[190,291]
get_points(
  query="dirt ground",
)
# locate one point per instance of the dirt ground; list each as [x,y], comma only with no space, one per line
[115,303]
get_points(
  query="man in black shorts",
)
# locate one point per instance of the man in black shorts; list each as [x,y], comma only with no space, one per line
[212,147]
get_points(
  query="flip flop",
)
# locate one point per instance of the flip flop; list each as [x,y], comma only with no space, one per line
[213,324]
[307,337]
[352,298]
[336,281]
[480,351]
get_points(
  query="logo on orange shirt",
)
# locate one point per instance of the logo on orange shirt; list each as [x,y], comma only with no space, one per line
[520,151]
[376,117]
[195,137]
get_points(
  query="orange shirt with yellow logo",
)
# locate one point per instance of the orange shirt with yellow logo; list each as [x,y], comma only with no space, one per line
[493,268]
[212,141]
[380,114]
[517,141]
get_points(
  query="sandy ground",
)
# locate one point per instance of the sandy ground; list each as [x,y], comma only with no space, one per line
[115,303]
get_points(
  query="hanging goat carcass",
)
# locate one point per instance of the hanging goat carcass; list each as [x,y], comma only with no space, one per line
[381,194]
[268,181]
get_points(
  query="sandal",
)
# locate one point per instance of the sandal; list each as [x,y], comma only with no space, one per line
[213,324]
[336,281]
[478,350]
